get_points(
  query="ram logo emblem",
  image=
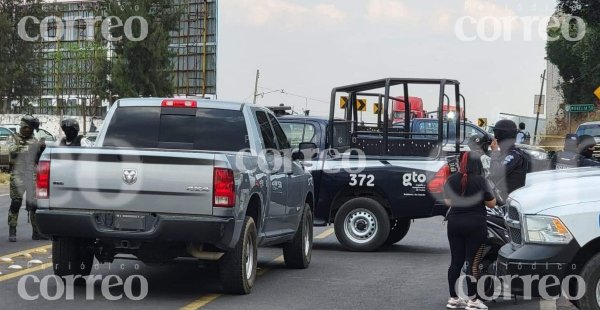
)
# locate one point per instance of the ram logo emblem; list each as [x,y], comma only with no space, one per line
[130,176]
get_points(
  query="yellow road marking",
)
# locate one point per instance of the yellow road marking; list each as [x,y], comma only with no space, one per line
[13,275]
[206,299]
[325,234]
[27,255]
[37,250]
[201,302]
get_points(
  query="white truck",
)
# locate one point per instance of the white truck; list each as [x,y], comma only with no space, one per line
[554,228]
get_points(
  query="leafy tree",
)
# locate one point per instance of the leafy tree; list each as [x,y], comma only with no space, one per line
[578,61]
[20,60]
[143,68]
[589,10]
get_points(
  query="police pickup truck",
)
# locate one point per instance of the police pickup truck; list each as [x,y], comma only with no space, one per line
[372,180]
[173,178]
[554,228]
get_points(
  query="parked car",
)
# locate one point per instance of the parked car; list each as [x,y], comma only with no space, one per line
[6,137]
[186,178]
[41,134]
[553,228]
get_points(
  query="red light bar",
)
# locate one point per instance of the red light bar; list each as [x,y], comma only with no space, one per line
[179,103]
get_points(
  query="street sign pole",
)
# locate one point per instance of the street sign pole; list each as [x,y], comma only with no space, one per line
[537,117]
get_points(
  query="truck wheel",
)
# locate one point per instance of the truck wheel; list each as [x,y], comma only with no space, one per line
[297,253]
[591,276]
[71,257]
[399,229]
[362,224]
[237,268]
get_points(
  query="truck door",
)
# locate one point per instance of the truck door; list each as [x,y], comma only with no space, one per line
[295,178]
[277,179]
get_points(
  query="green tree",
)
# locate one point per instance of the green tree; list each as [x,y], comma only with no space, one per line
[21,61]
[578,61]
[589,10]
[143,68]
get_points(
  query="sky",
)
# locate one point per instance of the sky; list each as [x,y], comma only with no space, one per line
[495,48]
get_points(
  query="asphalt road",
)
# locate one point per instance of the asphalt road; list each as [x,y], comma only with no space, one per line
[409,275]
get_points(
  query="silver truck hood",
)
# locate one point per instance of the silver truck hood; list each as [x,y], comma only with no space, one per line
[550,189]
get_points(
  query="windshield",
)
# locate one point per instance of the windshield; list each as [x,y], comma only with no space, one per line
[592,130]
[299,132]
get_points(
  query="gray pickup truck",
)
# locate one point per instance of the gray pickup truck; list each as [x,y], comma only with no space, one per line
[172,178]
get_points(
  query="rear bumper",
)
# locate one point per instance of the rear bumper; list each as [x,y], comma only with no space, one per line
[220,232]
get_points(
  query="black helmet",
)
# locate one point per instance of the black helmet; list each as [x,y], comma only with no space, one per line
[479,142]
[505,129]
[31,122]
[71,128]
[69,123]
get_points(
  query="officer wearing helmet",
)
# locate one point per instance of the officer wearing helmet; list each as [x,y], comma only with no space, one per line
[24,152]
[508,168]
[70,127]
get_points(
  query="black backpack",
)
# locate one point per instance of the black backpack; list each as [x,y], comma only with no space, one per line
[526,137]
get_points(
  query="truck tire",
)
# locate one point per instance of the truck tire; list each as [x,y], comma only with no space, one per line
[237,268]
[362,225]
[71,257]
[591,276]
[398,230]
[298,252]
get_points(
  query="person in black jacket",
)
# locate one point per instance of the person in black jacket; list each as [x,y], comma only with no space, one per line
[508,168]
[586,146]
[70,127]
[467,194]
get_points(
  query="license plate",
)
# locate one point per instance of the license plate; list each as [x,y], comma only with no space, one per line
[561,167]
[131,222]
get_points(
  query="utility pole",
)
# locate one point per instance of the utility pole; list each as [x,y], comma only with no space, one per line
[537,118]
[256,86]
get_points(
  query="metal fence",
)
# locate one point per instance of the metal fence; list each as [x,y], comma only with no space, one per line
[99,112]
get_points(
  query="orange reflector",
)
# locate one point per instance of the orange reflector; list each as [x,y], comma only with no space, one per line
[560,227]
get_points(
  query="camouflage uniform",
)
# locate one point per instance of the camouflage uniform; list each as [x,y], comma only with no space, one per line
[24,155]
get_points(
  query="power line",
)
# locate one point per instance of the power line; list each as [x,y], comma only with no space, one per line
[296,95]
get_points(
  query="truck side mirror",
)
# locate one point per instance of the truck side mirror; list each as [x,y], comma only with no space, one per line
[297,156]
[308,150]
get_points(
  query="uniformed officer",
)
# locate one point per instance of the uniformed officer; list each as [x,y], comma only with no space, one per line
[508,167]
[586,146]
[70,127]
[24,152]
[569,157]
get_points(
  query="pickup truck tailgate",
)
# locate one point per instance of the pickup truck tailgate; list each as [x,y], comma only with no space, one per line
[131,180]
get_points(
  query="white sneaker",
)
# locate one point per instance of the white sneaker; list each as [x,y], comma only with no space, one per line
[476,305]
[456,303]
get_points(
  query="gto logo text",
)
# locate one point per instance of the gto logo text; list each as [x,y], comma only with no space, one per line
[409,179]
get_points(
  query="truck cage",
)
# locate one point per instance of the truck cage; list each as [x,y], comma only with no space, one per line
[389,141]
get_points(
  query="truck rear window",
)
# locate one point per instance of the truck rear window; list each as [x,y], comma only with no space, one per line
[147,127]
